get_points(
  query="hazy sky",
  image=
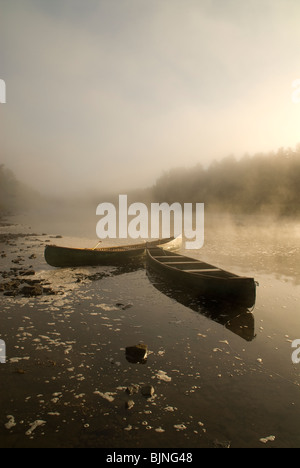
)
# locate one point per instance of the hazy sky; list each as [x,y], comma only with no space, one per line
[105,94]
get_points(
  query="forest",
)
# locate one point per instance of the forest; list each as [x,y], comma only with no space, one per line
[14,195]
[262,183]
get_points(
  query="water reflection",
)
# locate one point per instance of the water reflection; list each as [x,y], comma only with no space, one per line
[237,319]
[255,245]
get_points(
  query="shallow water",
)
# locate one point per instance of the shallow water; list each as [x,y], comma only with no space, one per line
[219,374]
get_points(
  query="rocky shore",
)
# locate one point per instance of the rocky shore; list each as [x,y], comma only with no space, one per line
[84,366]
[19,279]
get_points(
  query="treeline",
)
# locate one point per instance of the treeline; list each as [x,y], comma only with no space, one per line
[262,183]
[14,195]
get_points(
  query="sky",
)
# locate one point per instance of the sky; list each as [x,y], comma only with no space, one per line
[108,94]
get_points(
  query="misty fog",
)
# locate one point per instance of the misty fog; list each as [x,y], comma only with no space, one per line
[147,99]
[266,185]
[104,95]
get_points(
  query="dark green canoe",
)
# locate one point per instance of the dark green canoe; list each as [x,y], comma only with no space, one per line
[201,278]
[57,256]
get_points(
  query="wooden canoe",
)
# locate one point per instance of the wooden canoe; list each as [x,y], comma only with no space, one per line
[58,256]
[201,278]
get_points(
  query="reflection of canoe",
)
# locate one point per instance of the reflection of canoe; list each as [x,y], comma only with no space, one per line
[202,278]
[238,319]
[71,257]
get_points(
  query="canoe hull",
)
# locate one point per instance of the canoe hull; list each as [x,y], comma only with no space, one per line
[221,285]
[64,257]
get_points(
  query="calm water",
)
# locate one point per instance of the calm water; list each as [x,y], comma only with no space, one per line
[219,374]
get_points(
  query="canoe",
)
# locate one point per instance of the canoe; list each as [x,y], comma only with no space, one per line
[201,278]
[58,256]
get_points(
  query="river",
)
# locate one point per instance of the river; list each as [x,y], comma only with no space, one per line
[220,378]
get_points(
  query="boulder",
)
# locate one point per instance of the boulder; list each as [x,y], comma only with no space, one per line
[137,353]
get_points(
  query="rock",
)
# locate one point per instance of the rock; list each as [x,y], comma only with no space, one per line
[50,292]
[129,404]
[27,273]
[137,353]
[18,260]
[34,290]
[10,293]
[30,282]
[132,389]
[10,285]
[222,444]
[147,391]
[264,440]
[124,306]
[11,423]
